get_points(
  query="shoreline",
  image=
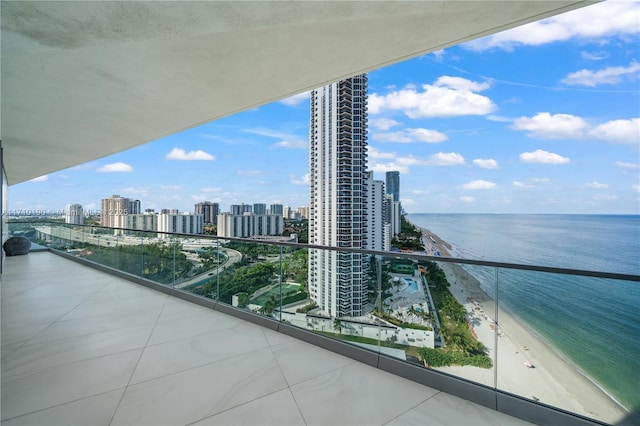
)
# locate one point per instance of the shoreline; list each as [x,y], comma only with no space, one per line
[555,380]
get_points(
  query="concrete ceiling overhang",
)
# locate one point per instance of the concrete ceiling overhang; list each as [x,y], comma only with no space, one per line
[83,80]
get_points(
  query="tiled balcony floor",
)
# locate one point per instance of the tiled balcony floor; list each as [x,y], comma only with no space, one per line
[83,347]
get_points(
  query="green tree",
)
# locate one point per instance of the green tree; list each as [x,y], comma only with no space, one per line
[337,325]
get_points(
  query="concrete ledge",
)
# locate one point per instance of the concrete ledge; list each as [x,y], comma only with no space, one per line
[194,298]
[350,351]
[470,391]
[539,413]
[260,320]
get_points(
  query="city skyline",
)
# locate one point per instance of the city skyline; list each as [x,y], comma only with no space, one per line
[540,119]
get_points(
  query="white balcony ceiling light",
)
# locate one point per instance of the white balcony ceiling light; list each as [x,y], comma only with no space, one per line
[83,80]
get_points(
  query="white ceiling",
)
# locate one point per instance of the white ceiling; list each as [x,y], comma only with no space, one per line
[83,80]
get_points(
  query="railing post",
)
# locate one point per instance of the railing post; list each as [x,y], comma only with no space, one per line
[218,272]
[496,333]
[280,310]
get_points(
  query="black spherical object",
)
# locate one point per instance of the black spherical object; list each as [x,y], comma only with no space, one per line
[15,246]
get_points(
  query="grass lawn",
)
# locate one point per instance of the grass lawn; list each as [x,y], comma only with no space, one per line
[287,290]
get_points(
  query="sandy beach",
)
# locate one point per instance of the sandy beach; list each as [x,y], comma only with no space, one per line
[553,380]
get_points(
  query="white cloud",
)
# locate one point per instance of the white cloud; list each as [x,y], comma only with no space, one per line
[541,180]
[383,123]
[115,168]
[295,99]
[602,20]
[42,178]
[211,189]
[182,155]
[596,185]
[139,191]
[252,172]
[403,163]
[462,84]
[625,165]
[408,202]
[293,143]
[439,55]
[635,187]
[304,180]
[467,199]
[543,157]
[557,126]
[445,159]
[609,75]
[374,153]
[498,118]
[618,131]
[489,163]
[447,97]
[287,140]
[411,136]
[478,184]
[519,184]
[606,197]
[595,56]
[420,192]
[171,187]
[388,167]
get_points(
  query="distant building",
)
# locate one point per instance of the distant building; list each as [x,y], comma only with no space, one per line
[286,212]
[240,209]
[249,225]
[393,185]
[375,213]
[113,211]
[209,211]
[74,214]
[147,221]
[303,212]
[259,208]
[183,223]
[276,209]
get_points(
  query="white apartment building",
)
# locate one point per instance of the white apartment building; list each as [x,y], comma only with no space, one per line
[74,214]
[147,221]
[338,196]
[249,225]
[184,223]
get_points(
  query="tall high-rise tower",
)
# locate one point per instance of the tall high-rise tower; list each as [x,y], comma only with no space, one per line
[393,185]
[338,196]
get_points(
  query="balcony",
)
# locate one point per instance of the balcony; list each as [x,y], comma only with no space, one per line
[81,346]
[86,343]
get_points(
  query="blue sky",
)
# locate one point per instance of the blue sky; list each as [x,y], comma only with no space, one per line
[543,118]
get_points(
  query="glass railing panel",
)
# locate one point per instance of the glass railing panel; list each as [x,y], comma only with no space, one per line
[563,340]
[205,259]
[249,277]
[570,342]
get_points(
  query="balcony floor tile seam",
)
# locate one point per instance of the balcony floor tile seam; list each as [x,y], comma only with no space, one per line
[194,367]
[287,388]
[63,404]
[202,334]
[438,392]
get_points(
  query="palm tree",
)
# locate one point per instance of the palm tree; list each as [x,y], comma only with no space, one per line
[413,312]
[337,325]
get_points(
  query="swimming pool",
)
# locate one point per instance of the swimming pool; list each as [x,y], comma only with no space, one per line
[412,285]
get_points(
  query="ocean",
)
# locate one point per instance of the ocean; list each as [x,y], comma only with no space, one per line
[594,323]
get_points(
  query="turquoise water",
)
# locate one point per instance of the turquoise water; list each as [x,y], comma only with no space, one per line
[412,285]
[595,323]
